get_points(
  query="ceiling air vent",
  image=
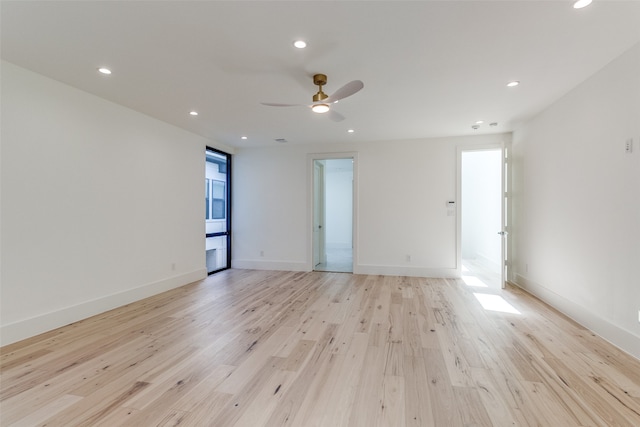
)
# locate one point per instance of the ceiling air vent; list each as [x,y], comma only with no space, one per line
[281,140]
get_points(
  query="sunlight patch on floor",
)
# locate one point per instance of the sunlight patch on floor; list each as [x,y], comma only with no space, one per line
[474,281]
[495,303]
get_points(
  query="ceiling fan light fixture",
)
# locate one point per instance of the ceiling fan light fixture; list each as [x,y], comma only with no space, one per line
[320,108]
[321,101]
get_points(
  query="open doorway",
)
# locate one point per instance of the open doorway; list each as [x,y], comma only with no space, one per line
[481,217]
[333,214]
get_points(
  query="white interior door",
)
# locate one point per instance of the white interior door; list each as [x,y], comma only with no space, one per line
[319,251]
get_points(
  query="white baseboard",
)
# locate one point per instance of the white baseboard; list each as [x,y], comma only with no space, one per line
[378,270]
[390,270]
[45,322]
[621,338]
[252,264]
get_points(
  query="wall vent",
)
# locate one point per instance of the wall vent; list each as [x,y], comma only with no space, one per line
[281,140]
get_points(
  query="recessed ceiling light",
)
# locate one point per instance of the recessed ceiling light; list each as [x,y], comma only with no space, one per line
[479,122]
[351,131]
[104,70]
[193,113]
[300,44]
[581,3]
[513,83]
[243,137]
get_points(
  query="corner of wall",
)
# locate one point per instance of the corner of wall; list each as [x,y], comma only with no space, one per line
[621,338]
[46,322]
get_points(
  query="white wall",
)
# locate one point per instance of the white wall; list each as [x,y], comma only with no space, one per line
[399,212]
[577,203]
[98,204]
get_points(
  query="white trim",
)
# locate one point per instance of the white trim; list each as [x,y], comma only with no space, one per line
[621,338]
[459,150]
[30,327]
[391,270]
[255,264]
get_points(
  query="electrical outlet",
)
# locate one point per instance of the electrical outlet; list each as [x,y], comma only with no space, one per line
[628,146]
[408,258]
[261,253]
[173,266]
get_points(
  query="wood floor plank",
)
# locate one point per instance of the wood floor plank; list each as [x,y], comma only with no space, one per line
[418,409]
[310,379]
[600,403]
[344,381]
[440,391]
[296,349]
[620,379]
[391,411]
[498,403]
[242,400]
[366,404]
[46,411]
[476,413]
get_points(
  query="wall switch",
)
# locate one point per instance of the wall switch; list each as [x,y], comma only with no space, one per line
[173,266]
[628,146]
[451,208]
[638,316]
[261,253]
[408,258]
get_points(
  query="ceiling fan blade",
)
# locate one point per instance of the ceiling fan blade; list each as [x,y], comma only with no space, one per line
[346,90]
[273,104]
[335,116]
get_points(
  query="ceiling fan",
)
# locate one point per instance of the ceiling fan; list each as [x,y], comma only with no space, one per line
[322,101]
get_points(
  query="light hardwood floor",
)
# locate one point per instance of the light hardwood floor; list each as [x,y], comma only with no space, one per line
[256,348]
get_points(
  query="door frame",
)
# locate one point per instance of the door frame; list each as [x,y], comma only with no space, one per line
[504,206]
[311,158]
[228,209]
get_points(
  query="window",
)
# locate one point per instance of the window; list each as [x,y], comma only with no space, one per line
[215,199]
[218,210]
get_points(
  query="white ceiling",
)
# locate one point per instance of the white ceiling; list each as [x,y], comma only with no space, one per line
[430,68]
